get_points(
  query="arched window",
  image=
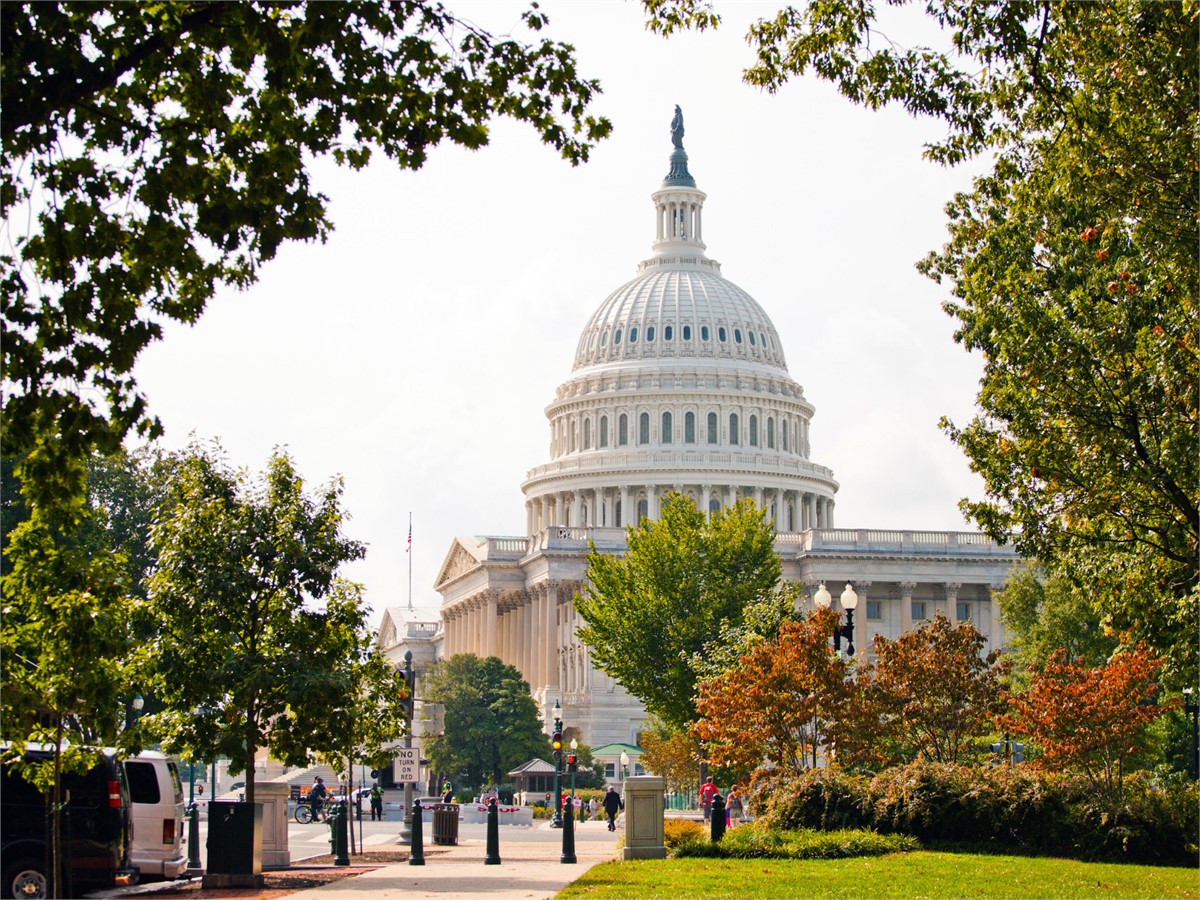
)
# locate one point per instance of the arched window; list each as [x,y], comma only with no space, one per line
[754,431]
[689,428]
[603,442]
[687,332]
[587,434]
[771,433]
[721,334]
[704,332]
[644,428]
[649,334]
[643,509]
[752,343]
[667,430]
[617,514]
[668,332]
[633,335]
[733,429]
[714,505]
[783,430]
[623,430]
[617,337]
[737,335]
[713,436]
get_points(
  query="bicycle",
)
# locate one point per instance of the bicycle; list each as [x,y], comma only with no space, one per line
[304,813]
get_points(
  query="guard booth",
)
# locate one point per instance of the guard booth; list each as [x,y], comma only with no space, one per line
[533,780]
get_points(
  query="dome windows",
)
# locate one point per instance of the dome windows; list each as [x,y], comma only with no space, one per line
[668,333]
[771,433]
[737,335]
[754,431]
[721,334]
[733,429]
[603,440]
[623,431]
[713,437]
[704,332]
[689,428]
[644,428]
[633,335]
[617,337]
[667,428]
[649,334]
[687,332]
[752,343]
[587,434]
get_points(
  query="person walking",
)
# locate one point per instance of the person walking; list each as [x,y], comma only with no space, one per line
[733,806]
[376,802]
[708,790]
[593,805]
[612,806]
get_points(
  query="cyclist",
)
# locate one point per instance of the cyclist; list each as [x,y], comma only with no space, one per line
[316,796]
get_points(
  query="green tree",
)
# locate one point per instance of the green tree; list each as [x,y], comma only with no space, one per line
[1073,266]
[1046,612]
[253,627]
[685,578]
[156,153]
[491,722]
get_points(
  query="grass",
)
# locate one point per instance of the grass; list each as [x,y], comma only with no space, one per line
[922,875]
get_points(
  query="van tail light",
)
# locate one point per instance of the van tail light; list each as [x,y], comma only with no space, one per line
[168,831]
[114,795]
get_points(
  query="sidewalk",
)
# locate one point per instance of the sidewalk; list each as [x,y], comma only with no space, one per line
[529,870]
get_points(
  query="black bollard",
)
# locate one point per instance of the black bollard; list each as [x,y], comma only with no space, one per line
[193,857]
[492,858]
[416,848]
[568,848]
[338,822]
[718,818]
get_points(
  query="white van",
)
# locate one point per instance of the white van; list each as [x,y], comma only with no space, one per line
[157,801]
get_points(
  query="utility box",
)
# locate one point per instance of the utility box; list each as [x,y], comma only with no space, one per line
[644,817]
[235,845]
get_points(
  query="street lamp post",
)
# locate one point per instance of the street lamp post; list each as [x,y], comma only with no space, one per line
[1192,709]
[574,764]
[624,770]
[849,603]
[556,822]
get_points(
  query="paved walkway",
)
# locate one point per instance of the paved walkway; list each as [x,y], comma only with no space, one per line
[529,870]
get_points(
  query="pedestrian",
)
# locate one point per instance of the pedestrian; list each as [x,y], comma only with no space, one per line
[376,802]
[612,806]
[733,806]
[708,790]
[447,793]
[593,805]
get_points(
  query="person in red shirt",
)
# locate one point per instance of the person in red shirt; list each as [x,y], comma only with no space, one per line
[708,790]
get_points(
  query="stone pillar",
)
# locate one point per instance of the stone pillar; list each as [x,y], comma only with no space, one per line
[906,592]
[829,513]
[598,518]
[810,511]
[625,513]
[995,623]
[644,817]
[274,800]
[537,620]
[527,631]
[706,497]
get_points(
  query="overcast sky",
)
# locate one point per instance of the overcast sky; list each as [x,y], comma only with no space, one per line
[415,352]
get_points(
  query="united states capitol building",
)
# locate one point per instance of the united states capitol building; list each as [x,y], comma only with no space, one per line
[679,383]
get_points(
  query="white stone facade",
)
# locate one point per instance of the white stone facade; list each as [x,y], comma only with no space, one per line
[680,384]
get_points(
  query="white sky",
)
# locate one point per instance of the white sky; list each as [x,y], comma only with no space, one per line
[415,352]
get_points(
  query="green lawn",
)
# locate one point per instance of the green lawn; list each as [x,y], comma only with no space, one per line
[924,875]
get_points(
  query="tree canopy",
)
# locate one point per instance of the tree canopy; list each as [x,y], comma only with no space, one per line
[1073,267]
[154,153]
[255,634]
[491,722]
[685,577]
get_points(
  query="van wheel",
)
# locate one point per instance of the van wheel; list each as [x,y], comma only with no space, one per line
[26,880]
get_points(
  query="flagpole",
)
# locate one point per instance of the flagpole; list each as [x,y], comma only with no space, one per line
[410,561]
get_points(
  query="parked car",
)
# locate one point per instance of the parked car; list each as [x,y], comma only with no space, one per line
[158,807]
[96,825]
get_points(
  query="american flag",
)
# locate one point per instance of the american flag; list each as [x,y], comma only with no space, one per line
[408,549]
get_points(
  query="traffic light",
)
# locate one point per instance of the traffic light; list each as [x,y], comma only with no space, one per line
[556,746]
[406,693]
[572,760]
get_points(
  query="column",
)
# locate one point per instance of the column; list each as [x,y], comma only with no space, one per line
[706,497]
[829,506]
[862,640]
[599,520]
[810,511]
[527,638]
[550,635]
[537,657]
[625,514]
[758,498]
[995,624]
[952,601]
[780,514]
[906,592]
[577,509]
[490,647]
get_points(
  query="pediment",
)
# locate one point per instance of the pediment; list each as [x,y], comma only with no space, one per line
[461,559]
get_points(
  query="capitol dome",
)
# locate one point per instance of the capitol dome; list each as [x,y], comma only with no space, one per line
[679,383]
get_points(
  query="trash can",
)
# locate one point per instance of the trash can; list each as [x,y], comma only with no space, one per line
[235,838]
[445,823]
